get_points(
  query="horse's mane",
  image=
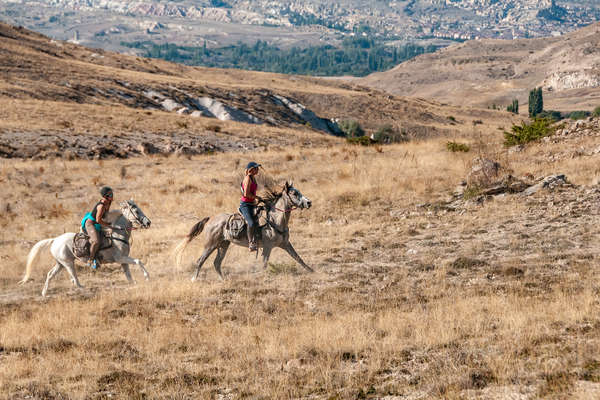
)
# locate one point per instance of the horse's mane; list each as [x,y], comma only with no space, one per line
[113,215]
[270,195]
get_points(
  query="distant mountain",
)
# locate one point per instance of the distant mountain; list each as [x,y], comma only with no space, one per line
[57,95]
[488,72]
[106,23]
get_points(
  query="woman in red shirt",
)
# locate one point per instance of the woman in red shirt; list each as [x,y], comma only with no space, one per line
[248,202]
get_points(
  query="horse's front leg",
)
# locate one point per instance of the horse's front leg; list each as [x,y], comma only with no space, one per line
[128,260]
[290,250]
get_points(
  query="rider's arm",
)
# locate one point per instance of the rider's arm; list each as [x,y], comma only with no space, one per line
[100,216]
[246,184]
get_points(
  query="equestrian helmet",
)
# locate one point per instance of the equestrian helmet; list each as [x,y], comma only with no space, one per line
[105,191]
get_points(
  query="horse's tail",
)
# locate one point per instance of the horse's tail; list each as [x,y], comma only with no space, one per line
[33,256]
[195,231]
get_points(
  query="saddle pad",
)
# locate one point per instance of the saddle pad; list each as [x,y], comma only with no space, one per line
[234,227]
[81,245]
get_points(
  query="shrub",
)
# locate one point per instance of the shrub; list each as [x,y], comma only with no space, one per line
[525,133]
[456,147]
[477,122]
[351,128]
[471,192]
[597,111]
[451,118]
[579,115]
[513,107]
[551,114]
[362,140]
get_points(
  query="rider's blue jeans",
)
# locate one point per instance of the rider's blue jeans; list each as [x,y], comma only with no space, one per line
[247,210]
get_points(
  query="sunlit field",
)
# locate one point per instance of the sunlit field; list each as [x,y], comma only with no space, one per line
[407,301]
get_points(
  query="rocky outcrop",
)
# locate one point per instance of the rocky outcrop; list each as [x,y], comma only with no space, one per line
[465,196]
[310,117]
[483,172]
[572,80]
[211,107]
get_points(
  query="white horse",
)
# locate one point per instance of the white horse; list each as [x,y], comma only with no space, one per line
[61,247]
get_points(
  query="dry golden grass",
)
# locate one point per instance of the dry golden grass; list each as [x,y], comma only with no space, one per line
[497,302]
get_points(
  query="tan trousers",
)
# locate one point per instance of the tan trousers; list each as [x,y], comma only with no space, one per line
[94,238]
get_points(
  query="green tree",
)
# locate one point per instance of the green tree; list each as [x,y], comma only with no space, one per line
[536,102]
[513,107]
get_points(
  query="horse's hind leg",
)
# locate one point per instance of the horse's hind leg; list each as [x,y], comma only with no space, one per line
[207,252]
[51,274]
[221,251]
[266,253]
[127,273]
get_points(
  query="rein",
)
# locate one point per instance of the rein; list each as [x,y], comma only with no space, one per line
[272,224]
[287,209]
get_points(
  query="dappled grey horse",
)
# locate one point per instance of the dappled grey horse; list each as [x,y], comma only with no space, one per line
[275,232]
[61,246]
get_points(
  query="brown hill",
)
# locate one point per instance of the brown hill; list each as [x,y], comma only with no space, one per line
[88,97]
[487,72]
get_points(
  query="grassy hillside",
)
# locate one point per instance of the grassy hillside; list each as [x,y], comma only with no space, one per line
[486,72]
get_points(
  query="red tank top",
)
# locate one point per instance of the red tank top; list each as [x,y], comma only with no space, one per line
[253,187]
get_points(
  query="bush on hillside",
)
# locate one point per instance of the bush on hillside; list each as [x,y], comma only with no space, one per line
[457,147]
[388,134]
[551,114]
[528,132]
[361,140]
[351,128]
[597,111]
[575,115]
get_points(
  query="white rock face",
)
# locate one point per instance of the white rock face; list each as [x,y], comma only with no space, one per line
[225,112]
[170,104]
[307,115]
[572,80]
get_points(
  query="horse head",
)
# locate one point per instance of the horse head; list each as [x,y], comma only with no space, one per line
[134,214]
[296,198]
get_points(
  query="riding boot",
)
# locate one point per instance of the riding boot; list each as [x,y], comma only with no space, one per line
[93,250]
[252,239]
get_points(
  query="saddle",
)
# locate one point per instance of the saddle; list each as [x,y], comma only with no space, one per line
[236,226]
[81,244]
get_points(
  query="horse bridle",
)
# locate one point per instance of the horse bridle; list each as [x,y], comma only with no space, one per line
[272,224]
[294,207]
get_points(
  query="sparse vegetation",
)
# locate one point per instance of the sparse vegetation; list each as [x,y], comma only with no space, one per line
[351,128]
[513,107]
[457,147]
[361,140]
[527,132]
[575,115]
[551,114]
[596,112]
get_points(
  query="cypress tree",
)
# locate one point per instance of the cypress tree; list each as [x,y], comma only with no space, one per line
[540,101]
